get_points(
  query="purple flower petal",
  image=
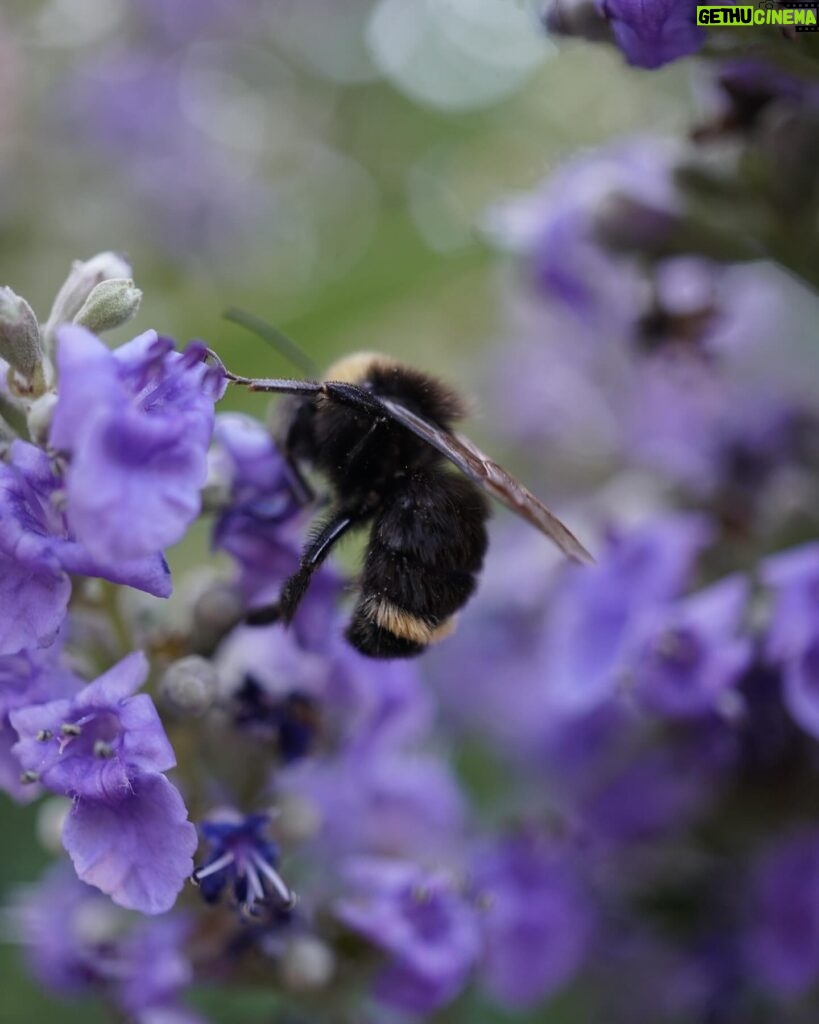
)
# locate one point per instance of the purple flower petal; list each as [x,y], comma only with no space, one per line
[801,687]
[97,744]
[139,850]
[88,379]
[33,603]
[136,424]
[653,32]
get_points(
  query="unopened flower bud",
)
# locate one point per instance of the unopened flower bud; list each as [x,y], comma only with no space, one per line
[218,608]
[580,19]
[189,685]
[111,304]
[83,279]
[307,964]
[20,343]
[299,819]
[39,417]
[51,817]
[623,223]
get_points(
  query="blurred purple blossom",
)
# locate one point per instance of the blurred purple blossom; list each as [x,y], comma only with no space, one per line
[783,930]
[537,919]
[362,704]
[685,659]
[426,927]
[392,803]
[653,32]
[744,91]
[259,524]
[129,105]
[793,631]
[556,228]
[77,942]
[595,611]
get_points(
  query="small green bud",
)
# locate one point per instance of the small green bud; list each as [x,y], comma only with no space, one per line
[20,343]
[83,279]
[39,417]
[189,685]
[111,304]
[307,964]
[51,818]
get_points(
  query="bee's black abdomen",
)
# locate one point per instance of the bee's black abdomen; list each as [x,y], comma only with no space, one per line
[425,550]
[376,642]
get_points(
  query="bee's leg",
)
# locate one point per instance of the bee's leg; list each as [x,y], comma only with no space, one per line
[298,484]
[296,586]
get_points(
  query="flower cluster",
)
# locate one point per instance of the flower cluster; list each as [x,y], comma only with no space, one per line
[599,790]
[106,474]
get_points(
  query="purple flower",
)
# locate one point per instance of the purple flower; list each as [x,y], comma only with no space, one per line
[243,859]
[127,832]
[686,658]
[27,678]
[595,610]
[653,32]
[556,228]
[131,107]
[655,792]
[136,424]
[793,576]
[94,744]
[77,942]
[38,549]
[537,920]
[783,944]
[260,525]
[793,630]
[292,722]
[361,703]
[745,90]
[427,928]
[381,802]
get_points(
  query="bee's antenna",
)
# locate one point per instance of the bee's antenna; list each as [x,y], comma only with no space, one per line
[273,336]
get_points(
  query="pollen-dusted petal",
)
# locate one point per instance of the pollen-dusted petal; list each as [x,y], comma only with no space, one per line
[139,850]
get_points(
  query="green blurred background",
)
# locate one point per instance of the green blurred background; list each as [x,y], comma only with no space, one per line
[372,199]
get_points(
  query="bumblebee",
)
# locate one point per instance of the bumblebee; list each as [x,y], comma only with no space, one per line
[382,434]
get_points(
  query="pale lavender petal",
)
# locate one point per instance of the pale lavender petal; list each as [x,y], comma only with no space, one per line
[88,378]
[120,681]
[133,487]
[34,600]
[139,851]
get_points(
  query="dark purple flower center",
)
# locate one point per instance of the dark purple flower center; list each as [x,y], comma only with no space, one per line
[96,734]
[677,650]
[242,858]
[426,910]
[810,666]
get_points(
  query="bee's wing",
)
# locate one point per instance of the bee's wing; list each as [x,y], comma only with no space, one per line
[491,477]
